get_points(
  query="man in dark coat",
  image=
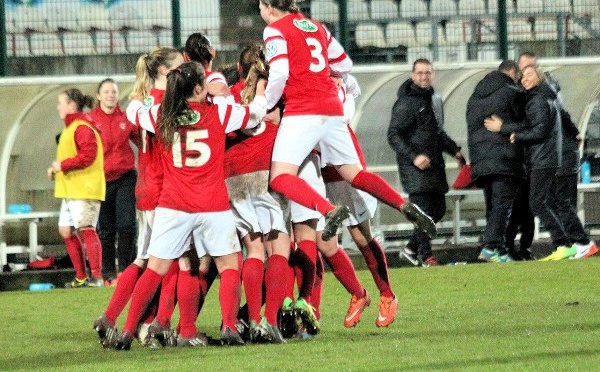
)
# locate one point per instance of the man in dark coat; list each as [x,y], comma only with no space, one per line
[495,163]
[417,136]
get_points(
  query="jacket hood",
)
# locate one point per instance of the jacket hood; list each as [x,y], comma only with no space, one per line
[543,89]
[491,83]
[408,88]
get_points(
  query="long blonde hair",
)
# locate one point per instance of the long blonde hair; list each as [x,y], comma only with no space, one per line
[146,69]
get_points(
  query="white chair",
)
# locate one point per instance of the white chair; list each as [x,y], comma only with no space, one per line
[519,29]
[9,14]
[78,43]
[125,15]
[60,14]
[324,10]
[563,6]
[29,18]
[110,42]
[196,15]
[141,41]
[545,29]
[586,7]
[400,33]
[452,54]
[457,32]
[413,8]
[488,30]
[165,38]
[471,7]
[18,45]
[414,53]
[442,8]
[46,44]
[369,35]
[384,9]
[424,33]
[358,10]
[493,7]
[156,14]
[93,17]
[529,7]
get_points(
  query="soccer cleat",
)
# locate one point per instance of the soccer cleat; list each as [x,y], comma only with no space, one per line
[355,310]
[199,340]
[526,255]
[409,255]
[107,333]
[561,253]
[387,311]
[243,329]
[505,258]
[585,250]
[230,337]
[488,255]
[96,282]
[333,220]
[286,319]
[306,313]
[420,219]
[272,333]
[257,333]
[429,262]
[77,283]
[164,335]
[124,342]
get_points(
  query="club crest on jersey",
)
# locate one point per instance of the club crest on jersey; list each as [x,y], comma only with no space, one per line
[305,25]
[190,117]
[148,101]
[270,51]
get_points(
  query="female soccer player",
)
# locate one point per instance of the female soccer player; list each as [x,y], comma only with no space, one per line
[78,176]
[193,203]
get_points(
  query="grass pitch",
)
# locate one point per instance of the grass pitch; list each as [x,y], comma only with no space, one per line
[528,316]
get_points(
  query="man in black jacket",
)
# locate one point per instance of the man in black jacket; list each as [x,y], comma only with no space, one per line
[417,136]
[495,163]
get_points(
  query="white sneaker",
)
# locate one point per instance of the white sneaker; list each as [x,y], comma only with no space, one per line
[585,250]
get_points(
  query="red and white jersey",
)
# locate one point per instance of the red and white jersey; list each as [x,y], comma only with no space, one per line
[149,181]
[193,166]
[214,77]
[301,54]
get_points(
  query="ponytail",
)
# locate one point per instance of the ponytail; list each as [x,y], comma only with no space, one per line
[81,100]
[146,69]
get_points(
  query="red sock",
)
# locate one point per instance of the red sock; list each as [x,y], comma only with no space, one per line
[229,297]
[377,264]
[142,295]
[75,251]
[315,298]
[151,310]
[188,292]
[252,277]
[296,189]
[276,282]
[90,239]
[378,187]
[342,268]
[168,295]
[122,294]
[306,259]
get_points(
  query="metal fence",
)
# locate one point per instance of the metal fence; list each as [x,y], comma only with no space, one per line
[54,37]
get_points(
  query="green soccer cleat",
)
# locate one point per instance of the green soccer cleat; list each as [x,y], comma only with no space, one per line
[305,312]
[561,253]
[286,319]
[78,283]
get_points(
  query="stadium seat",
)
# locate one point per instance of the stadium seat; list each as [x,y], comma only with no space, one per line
[400,33]
[545,29]
[487,30]
[125,15]
[471,7]
[141,41]
[46,44]
[424,33]
[29,18]
[78,43]
[157,14]
[457,32]
[442,8]
[165,38]
[369,35]
[17,45]
[414,53]
[324,10]
[358,10]
[452,54]
[519,29]
[413,9]
[59,14]
[492,7]
[93,17]
[197,16]
[110,42]
[586,8]
[562,6]
[384,9]
[9,14]
[529,7]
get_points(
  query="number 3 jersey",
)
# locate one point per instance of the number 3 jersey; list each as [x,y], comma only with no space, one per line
[300,52]
[193,166]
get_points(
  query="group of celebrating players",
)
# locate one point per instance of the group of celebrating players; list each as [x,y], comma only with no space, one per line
[269,161]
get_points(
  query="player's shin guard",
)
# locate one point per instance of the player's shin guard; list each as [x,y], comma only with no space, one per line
[276,282]
[188,292]
[306,258]
[90,239]
[229,297]
[377,264]
[123,291]
[252,277]
[168,296]
[75,251]
[296,189]
[343,269]
[142,295]
[379,188]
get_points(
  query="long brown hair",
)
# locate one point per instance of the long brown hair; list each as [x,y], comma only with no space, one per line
[174,110]
[283,5]
[253,67]
[82,100]
[146,69]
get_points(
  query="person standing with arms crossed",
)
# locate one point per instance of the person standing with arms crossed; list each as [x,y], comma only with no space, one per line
[416,133]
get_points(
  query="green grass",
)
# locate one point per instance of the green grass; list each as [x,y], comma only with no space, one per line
[532,316]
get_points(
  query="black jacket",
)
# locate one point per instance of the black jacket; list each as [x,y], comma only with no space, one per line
[415,130]
[542,136]
[492,153]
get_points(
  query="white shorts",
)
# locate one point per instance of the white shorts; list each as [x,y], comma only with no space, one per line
[213,233]
[145,221]
[297,136]
[362,205]
[79,213]
[310,171]
[256,209]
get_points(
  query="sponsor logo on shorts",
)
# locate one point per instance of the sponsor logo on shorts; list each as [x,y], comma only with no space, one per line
[305,25]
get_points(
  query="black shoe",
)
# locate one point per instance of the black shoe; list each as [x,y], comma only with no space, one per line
[106,333]
[230,337]
[243,329]
[409,255]
[526,255]
[286,319]
[333,220]
[199,340]
[164,335]
[516,256]
[124,342]
[420,219]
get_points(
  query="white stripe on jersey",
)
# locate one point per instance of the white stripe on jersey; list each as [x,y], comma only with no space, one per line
[335,51]
[147,118]
[132,109]
[279,66]
[236,116]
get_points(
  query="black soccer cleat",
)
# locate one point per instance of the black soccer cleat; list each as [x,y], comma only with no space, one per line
[230,337]
[106,332]
[420,219]
[286,319]
[124,342]
[333,220]
[164,335]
